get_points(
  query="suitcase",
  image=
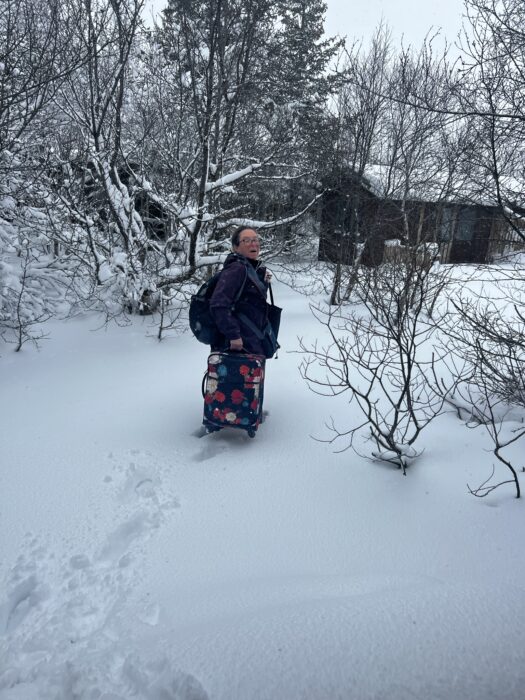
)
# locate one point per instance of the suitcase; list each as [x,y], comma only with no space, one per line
[233,389]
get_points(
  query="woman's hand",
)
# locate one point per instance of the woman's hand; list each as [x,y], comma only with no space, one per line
[267,276]
[236,344]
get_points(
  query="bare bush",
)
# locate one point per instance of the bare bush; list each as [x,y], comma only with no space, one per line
[381,353]
[486,333]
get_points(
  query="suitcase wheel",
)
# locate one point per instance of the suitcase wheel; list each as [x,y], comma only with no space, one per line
[251,433]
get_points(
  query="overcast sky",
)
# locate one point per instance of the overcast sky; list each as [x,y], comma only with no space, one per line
[410,19]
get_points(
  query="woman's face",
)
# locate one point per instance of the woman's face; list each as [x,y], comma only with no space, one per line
[249,245]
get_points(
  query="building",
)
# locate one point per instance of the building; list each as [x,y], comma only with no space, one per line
[362,212]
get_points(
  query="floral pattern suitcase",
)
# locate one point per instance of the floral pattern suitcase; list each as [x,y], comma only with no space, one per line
[233,389]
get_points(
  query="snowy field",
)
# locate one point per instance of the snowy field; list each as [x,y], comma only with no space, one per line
[141,561]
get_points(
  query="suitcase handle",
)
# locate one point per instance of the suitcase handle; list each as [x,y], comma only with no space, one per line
[203,392]
[205,377]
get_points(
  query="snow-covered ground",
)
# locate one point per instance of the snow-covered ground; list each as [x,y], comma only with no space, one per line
[141,561]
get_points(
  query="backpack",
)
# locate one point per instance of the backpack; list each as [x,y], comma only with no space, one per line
[202,324]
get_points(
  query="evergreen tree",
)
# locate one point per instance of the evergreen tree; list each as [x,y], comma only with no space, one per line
[251,80]
[303,55]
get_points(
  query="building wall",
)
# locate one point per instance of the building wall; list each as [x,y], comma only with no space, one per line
[351,214]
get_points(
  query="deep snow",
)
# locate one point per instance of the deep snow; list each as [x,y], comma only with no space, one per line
[139,560]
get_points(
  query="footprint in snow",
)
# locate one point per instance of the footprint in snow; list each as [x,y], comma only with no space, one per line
[120,540]
[22,598]
[209,451]
[76,596]
[150,614]
[27,590]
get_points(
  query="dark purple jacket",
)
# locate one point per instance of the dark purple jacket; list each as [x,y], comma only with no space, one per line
[251,303]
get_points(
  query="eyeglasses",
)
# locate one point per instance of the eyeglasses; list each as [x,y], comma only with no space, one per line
[249,240]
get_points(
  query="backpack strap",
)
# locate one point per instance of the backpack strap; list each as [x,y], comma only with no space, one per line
[252,274]
[241,288]
[255,279]
[251,325]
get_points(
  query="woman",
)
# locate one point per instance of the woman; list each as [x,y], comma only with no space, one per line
[239,319]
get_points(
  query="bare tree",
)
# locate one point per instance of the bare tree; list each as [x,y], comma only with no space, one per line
[489,84]
[357,122]
[381,353]
[486,334]
[479,407]
[480,93]
[32,283]
[396,150]
[33,64]
[91,189]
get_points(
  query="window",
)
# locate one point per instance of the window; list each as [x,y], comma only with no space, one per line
[446,225]
[466,224]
